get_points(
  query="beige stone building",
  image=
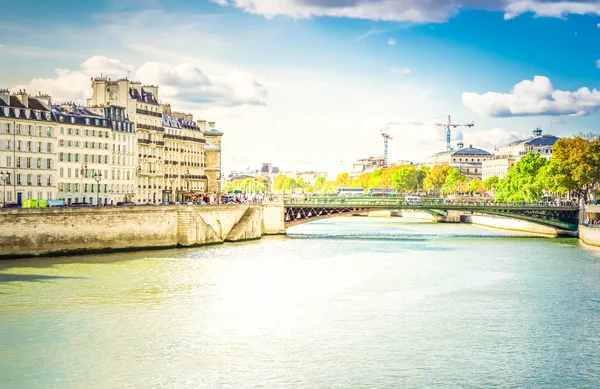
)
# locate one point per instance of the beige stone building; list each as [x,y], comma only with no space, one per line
[468,160]
[185,177]
[497,166]
[123,163]
[27,147]
[83,155]
[538,143]
[143,109]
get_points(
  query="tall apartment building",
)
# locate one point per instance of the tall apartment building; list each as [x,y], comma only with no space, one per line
[184,157]
[143,109]
[84,155]
[124,153]
[27,147]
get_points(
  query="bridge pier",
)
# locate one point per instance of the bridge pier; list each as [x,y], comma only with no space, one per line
[451,217]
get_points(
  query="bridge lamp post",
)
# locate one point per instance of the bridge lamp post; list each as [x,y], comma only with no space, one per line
[98,178]
[187,181]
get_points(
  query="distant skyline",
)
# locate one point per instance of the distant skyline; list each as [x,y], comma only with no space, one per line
[308,84]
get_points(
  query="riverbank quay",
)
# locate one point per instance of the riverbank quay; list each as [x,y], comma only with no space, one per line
[70,231]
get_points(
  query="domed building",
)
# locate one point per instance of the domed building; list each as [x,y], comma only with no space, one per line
[468,160]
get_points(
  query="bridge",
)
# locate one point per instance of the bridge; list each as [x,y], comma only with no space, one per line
[564,217]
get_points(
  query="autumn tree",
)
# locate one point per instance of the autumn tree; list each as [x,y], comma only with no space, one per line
[453,181]
[436,177]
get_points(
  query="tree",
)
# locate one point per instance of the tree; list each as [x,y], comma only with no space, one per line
[490,183]
[278,183]
[405,179]
[575,166]
[319,182]
[289,184]
[364,179]
[343,180]
[524,181]
[475,186]
[453,181]
[421,175]
[436,177]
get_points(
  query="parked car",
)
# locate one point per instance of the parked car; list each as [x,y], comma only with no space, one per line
[11,206]
[125,203]
[82,205]
[56,203]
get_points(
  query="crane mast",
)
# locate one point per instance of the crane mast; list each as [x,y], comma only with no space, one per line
[386,139]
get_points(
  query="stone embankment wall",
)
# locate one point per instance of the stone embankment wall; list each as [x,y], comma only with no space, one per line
[34,232]
[512,224]
[589,235]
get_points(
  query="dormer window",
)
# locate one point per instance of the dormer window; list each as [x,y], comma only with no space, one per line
[61,118]
[87,121]
[97,122]
[73,120]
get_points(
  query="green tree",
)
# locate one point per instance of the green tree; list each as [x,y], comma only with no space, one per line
[289,184]
[343,180]
[453,181]
[278,183]
[319,182]
[490,183]
[524,181]
[405,179]
[421,175]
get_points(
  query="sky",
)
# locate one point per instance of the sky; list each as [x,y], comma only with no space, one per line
[310,84]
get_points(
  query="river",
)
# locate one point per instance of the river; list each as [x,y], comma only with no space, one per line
[342,303]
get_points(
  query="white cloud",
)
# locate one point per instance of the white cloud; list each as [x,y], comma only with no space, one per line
[66,86]
[184,83]
[537,97]
[400,70]
[96,65]
[598,25]
[391,41]
[410,10]
[1,46]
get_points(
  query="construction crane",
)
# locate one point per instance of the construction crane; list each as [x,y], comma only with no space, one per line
[386,138]
[449,125]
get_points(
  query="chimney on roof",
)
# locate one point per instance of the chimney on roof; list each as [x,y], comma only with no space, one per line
[152,89]
[23,97]
[45,100]
[167,109]
[202,125]
[470,146]
[5,96]
[211,125]
[537,132]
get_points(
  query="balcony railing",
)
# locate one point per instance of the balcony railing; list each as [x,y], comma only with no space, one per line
[150,113]
[184,138]
[144,141]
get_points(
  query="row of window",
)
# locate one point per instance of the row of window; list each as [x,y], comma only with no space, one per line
[29,179]
[29,163]
[26,146]
[25,129]
[86,132]
[93,158]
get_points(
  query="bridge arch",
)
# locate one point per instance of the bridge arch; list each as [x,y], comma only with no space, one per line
[562,218]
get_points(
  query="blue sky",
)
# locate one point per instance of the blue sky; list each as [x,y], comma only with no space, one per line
[309,83]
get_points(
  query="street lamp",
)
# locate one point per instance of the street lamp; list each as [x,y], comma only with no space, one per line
[81,173]
[3,177]
[187,180]
[98,178]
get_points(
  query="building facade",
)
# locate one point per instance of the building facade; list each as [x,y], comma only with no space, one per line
[497,166]
[27,147]
[83,155]
[367,165]
[184,157]
[538,143]
[123,161]
[468,160]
